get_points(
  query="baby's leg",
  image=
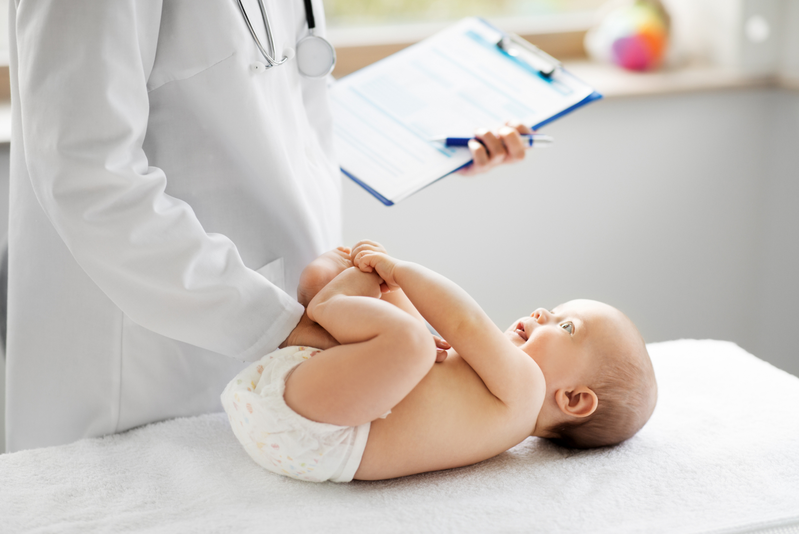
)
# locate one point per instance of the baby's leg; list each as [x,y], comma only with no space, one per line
[384,353]
[321,271]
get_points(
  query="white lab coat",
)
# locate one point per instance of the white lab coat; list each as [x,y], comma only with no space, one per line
[165,197]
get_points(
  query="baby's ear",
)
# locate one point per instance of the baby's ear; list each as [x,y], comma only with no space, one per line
[578,402]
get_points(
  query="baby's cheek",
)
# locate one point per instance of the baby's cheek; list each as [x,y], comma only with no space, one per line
[542,345]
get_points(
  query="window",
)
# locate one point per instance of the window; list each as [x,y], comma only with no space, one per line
[378,12]
[3,32]
[365,31]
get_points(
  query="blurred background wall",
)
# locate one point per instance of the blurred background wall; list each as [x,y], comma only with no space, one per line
[681,210]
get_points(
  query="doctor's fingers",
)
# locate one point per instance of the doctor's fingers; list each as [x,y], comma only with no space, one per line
[493,144]
[487,152]
[480,160]
[519,127]
[513,143]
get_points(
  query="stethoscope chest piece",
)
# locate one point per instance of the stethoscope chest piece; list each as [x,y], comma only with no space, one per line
[316,57]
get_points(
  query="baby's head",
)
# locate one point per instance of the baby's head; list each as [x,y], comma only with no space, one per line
[601,387]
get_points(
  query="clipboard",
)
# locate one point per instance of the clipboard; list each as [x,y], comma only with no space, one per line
[467,76]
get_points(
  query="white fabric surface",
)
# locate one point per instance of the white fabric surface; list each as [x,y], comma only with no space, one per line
[720,452]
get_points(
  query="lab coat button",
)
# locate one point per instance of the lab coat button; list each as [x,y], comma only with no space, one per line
[258,67]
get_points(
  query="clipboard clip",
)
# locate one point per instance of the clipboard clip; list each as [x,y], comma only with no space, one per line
[521,49]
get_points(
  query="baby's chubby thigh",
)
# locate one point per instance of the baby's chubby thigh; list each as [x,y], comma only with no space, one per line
[353,384]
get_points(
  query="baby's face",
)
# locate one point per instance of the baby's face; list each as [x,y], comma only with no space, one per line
[566,341]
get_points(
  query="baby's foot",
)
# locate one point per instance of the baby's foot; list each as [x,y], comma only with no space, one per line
[321,271]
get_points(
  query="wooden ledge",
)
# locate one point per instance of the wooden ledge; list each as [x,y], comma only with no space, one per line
[568,45]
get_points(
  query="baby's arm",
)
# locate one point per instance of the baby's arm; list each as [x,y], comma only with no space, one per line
[504,368]
[396,296]
[399,299]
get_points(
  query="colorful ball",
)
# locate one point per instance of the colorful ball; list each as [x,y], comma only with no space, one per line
[634,36]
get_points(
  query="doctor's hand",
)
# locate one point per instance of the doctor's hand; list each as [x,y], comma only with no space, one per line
[504,145]
[309,334]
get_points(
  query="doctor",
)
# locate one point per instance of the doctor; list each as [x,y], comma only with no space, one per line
[167,188]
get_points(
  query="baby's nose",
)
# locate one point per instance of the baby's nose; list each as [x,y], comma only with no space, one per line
[541,315]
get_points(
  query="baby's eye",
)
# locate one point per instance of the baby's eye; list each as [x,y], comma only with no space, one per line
[569,327]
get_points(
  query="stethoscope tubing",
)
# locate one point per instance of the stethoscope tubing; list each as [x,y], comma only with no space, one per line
[271,61]
[268,55]
[309,16]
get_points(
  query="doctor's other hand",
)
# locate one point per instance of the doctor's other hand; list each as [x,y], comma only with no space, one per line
[309,334]
[504,145]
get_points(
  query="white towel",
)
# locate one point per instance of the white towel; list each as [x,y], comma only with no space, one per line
[720,452]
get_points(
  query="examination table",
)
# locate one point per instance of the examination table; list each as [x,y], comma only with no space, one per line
[720,454]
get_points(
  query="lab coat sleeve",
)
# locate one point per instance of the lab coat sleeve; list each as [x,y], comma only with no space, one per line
[83,67]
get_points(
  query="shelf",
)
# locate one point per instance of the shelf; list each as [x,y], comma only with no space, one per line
[614,82]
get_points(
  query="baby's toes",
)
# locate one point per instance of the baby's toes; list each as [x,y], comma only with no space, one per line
[341,259]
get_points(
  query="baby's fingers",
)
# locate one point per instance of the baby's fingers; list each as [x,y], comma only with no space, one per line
[365,246]
[363,262]
[371,244]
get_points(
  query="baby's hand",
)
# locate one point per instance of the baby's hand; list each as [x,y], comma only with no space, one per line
[365,245]
[495,148]
[383,264]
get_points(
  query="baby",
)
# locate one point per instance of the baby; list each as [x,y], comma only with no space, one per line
[578,375]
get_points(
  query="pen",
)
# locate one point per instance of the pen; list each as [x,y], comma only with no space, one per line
[534,140]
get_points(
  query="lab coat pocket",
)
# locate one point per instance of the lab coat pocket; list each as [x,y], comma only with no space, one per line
[274,271]
[194,36]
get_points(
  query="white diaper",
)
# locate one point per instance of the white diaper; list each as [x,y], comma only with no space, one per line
[277,437]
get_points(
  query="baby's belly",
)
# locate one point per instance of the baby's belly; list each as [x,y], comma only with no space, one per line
[450,419]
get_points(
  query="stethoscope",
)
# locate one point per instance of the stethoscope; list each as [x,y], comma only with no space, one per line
[316,57]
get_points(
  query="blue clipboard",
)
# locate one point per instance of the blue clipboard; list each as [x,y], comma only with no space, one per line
[386,114]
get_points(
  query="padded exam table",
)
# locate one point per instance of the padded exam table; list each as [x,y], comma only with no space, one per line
[720,455]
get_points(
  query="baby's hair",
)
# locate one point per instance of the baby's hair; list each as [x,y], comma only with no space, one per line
[627,392]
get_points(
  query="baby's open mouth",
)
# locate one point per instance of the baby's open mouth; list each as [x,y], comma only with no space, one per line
[520,331]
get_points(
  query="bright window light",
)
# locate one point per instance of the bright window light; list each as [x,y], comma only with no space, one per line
[380,12]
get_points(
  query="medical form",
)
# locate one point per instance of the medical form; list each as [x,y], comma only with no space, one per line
[386,115]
